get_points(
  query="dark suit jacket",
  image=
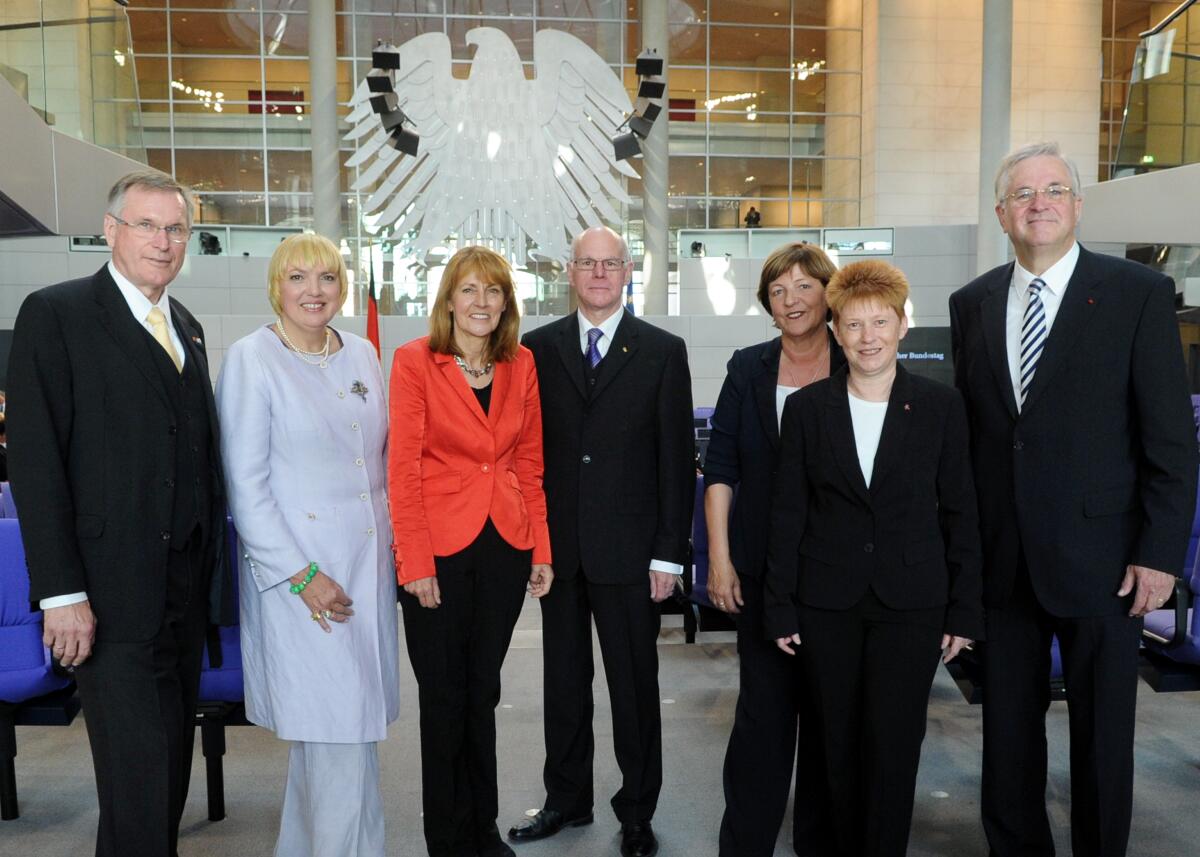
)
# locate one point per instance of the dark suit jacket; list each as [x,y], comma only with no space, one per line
[743,450]
[93,465]
[912,537]
[1099,469]
[620,478]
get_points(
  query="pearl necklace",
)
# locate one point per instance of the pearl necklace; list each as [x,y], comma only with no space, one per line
[474,373]
[322,355]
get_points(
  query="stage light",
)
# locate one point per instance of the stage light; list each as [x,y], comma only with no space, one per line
[649,63]
[626,146]
[652,87]
[403,140]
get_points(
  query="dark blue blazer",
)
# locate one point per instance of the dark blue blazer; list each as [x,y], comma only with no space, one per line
[1098,470]
[743,451]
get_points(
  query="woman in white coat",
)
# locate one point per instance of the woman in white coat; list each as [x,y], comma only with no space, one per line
[304,430]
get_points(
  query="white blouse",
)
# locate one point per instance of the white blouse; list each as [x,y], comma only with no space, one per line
[867,419]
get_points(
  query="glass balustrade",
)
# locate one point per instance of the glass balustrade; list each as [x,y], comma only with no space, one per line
[73,61]
[1161,124]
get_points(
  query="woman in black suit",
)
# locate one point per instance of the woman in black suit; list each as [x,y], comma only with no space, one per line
[874,558]
[743,454]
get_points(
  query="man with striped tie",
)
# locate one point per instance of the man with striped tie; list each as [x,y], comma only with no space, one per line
[1085,463]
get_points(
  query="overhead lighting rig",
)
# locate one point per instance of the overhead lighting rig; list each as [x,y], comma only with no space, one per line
[385,62]
[652,88]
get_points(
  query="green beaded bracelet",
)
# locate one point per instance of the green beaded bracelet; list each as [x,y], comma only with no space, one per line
[297,588]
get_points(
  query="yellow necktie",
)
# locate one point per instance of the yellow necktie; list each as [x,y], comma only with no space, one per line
[158,322]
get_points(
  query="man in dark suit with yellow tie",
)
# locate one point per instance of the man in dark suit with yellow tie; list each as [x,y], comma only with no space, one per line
[1085,465]
[620,482]
[116,477]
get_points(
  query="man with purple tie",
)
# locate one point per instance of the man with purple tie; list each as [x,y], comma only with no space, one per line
[620,482]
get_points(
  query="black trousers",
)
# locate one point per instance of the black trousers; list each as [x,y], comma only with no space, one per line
[627,624]
[773,700]
[456,651]
[139,701]
[1100,660]
[870,669]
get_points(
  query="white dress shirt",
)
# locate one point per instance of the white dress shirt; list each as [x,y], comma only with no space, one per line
[782,391]
[1056,278]
[139,306]
[609,328]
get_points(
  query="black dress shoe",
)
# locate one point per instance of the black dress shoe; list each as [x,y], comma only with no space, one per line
[547,822]
[489,844]
[637,840]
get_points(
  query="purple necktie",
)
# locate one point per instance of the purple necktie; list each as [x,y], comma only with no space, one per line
[593,352]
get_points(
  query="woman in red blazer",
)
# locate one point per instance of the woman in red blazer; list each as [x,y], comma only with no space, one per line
[469,518]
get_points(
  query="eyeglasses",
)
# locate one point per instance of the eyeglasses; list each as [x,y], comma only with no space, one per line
[1026,195]
[144,228]
[607,264]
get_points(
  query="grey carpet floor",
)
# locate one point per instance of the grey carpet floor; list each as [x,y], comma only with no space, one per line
[699,688]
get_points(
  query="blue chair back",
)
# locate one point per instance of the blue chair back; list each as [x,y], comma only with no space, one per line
[25,668]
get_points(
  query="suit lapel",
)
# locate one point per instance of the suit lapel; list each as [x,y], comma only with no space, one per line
[571,354]
[840,430]
[131,338]
[896,421]
[994,312]
[501,377]
[1074,312]
[454,377]
[765,393]
[620,352]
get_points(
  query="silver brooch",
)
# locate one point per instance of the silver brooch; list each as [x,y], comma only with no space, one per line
[359,389]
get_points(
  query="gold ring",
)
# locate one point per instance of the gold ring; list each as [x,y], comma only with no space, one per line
[316,617]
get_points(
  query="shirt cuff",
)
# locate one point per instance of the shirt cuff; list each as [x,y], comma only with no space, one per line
[666,567]
[62,600]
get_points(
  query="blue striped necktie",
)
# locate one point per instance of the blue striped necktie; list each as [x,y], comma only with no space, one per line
[593,349]
[1033,335]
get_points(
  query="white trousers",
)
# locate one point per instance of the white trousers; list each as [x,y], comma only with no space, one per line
[332,806]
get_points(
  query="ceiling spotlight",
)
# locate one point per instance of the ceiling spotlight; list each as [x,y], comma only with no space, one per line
[404,140]
[652,87]
[649,63]
[379,83]
[384,103]
[626,146]
[385,59]
[394,119]
[650,111]
[640,126]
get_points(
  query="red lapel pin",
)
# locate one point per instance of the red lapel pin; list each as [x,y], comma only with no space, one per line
[907,406]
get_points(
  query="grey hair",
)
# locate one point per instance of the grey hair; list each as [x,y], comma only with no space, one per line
[148,180]
[1034,150]
[624,246]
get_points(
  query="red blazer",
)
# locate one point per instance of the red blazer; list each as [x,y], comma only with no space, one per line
[450,466]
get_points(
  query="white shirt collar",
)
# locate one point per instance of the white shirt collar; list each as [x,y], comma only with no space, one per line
[608,327]
[138,303]
[1056,277]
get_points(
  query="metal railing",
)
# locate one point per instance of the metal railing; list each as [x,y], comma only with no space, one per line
[1160,127]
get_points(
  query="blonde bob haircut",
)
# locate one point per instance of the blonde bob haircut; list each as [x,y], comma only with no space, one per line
[308,251]
[811,259]
[867,281]
[493,269]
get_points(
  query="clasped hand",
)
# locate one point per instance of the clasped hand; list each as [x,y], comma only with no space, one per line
[324,598]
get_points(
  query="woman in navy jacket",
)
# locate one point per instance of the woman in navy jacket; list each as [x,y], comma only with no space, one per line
[873,569]
[742,455]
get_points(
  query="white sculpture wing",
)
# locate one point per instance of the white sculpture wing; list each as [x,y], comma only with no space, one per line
[424,90]
[581,102]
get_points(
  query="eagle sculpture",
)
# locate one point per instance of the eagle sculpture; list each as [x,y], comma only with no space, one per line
[521,164]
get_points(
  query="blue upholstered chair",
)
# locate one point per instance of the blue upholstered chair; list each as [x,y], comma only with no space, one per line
[27,676]
[222,694]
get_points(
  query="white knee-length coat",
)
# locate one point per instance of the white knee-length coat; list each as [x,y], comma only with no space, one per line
[305,454]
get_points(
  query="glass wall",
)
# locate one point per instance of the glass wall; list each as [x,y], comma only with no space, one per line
[765,103]
[1123,22]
